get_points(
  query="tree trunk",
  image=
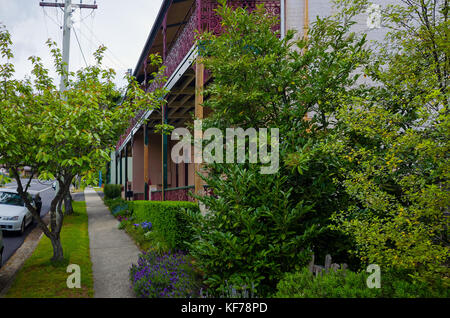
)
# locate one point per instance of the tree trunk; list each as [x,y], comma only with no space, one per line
[59,208]
[57,249]
[68,204]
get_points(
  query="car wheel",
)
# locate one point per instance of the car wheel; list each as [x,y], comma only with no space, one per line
[22,227]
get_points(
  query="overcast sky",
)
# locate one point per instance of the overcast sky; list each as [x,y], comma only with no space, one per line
[122,26]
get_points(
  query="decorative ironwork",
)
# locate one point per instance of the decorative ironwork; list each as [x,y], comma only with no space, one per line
[181,46]
[138,196]
[179,194]
[212,22]
[206,19]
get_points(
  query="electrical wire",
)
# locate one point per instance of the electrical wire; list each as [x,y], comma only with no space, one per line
[45,22]
[114,61]
[79,45]
[51,18]
[96,38]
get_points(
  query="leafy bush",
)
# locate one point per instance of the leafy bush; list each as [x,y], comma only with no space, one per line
[264,225]
[348,284]
[119,206]
[168,218]
[395,139]
[112,191]
[167,275]
[342,284]
[254,232]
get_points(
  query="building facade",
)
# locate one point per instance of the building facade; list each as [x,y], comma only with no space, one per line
[141,162]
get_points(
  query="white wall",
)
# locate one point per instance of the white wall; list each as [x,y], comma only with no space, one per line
[295,16]
[113,169]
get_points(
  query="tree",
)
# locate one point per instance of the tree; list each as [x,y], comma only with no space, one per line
[63,135]
[260,226]
[395,140]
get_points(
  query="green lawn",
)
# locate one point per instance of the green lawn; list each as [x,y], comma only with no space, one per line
[39,278]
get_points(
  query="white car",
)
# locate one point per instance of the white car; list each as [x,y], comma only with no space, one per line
[14,216]
[1,248]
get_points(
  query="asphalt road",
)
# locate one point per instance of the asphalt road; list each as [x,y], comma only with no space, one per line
[13,241]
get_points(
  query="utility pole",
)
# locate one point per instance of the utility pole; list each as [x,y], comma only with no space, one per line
[67,25]
[66,43]
[68,6]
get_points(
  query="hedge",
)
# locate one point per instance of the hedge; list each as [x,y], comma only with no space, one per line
[118,205]
[168,219]
[112,191]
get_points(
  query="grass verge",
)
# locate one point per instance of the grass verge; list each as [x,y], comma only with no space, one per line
[40,278]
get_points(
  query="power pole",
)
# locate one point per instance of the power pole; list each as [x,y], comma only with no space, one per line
[68,6]
[66,31]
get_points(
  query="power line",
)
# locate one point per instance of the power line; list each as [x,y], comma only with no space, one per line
[51,18]
[67,5]
[45,23]
[79,45]
[112,54]
[111,57]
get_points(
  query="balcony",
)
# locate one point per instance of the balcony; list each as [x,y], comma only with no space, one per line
[206,19]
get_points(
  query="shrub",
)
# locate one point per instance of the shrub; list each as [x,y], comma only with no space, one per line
[167,275]
[168,219]
[348,284]
[119,206]
[255,232]
[264,225]
[342,284]
[112,191]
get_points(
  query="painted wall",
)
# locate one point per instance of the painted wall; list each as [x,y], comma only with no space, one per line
[155,160]
[130,169]
[113,167]
[294,11]
[181,169]
[295,16]
[138,184]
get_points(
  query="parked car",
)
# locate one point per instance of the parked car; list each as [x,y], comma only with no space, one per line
[1,248]
[3,178]
[14,215]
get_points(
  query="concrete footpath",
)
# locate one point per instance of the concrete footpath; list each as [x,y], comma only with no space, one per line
[112,251]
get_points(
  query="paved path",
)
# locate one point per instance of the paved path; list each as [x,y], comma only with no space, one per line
[112,251]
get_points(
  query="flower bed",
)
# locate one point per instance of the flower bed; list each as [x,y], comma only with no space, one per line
[167,275]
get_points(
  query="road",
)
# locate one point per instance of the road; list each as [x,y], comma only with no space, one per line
[13,241]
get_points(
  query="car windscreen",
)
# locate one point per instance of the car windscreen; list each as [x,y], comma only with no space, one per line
[11,199]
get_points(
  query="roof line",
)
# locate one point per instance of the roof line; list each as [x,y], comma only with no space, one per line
[156,26]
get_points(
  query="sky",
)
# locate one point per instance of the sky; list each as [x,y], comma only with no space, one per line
[121,25]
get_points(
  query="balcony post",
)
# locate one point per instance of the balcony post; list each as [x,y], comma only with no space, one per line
[164,31]
[126,169]
[164,154]
[199,82]
[146,185]
[120,170]
[116,161]
[198,9]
